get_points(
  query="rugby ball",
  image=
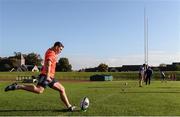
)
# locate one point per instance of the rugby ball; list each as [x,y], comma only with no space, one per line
[84,104]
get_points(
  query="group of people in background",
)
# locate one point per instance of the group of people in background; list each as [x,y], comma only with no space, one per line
[164,78]
[145,74]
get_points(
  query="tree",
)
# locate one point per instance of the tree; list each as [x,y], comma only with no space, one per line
[17,55]
[6,67]
[5,64]
[13,62]
[33,59]
[177,67]
[102,67]
[63,65]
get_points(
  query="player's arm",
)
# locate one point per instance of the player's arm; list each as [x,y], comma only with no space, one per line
[48,70]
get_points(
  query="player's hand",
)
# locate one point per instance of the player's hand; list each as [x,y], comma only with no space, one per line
[49,79]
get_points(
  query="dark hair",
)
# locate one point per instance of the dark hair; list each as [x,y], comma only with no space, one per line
[59,44]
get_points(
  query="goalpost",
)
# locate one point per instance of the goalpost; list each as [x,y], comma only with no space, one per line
[145,38]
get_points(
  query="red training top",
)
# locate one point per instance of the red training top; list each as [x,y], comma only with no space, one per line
[50,55]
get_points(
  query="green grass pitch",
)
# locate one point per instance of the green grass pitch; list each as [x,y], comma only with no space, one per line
[106,99]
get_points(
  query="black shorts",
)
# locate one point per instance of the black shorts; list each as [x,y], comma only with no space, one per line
[42,81]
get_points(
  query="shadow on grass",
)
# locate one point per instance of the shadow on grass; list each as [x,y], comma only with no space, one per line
[104,87]
[126,89]
[38,110]
[150,92]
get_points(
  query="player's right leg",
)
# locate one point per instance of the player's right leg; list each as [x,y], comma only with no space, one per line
[11,87]
[42,83]
[141,77]
[32,88]
[149,80]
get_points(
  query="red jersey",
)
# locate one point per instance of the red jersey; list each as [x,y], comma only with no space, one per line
[50,55]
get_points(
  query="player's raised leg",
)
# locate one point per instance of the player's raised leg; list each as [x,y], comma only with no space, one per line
[32,88]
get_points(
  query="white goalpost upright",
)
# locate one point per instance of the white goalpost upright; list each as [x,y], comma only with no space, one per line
[145,37]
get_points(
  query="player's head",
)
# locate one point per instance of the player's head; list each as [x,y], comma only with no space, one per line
[58,46]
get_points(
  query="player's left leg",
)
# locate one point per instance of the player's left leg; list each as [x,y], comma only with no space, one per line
[146,80]
[60,88]
[149,80]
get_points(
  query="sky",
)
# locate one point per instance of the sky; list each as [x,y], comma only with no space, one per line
[92,31]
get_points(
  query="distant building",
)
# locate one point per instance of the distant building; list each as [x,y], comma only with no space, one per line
[35,69]
[112,69]
[130,67]
[125,68]
[21,60]
[175,63]
[95,69]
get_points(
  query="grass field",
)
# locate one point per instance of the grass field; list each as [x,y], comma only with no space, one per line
[106,99]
